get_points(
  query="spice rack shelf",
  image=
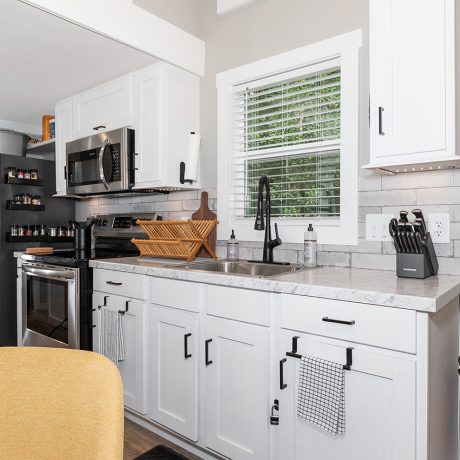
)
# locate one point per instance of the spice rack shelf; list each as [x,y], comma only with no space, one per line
[16,181]
[12,206]
[38,239]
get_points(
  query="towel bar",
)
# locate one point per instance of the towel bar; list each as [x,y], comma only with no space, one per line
[122,312]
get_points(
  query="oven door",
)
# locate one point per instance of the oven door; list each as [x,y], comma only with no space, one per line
[100,163]
[50,306]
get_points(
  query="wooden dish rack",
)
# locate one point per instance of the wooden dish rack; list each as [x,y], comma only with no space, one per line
[175,239]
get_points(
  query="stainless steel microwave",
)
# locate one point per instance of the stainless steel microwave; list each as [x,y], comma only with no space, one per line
[102,163]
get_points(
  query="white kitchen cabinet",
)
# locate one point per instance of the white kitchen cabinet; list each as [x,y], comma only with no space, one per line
[236,379]
[133,369]
[103,108]
[173,360]
[380,405]
[64,134]
[412,84]
[166,108]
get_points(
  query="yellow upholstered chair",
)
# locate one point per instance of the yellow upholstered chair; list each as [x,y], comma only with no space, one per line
[59,404]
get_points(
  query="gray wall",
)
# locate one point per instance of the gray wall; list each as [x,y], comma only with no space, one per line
[262,29]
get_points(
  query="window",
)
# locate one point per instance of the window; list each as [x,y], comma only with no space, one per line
[293,118]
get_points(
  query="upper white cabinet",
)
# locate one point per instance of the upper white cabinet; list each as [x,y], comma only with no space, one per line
[161,102]
[103,108]
[63,114]
[412,84]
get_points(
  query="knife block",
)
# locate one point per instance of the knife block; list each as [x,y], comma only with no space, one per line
[419,266]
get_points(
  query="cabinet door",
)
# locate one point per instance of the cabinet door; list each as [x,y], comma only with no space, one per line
[380,415]
[147,110]
[237,389]
[63,114]
[173,355]
[106,107]
[412,86]
[133,369]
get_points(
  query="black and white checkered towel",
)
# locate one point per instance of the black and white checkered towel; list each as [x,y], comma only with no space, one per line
[321,396]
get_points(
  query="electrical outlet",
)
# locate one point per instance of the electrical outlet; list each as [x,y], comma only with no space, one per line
[377,227]
[439,227]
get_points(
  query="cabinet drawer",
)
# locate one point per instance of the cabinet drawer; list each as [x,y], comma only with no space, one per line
[367,324]
[174,293]
[239,304]
[119,283]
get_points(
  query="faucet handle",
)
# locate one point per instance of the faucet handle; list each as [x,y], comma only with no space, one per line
[277,237]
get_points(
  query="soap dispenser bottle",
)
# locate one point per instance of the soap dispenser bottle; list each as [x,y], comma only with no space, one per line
[233,247]
[309,247]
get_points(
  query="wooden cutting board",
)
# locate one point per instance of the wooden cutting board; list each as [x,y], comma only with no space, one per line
[39,251]
[204,213]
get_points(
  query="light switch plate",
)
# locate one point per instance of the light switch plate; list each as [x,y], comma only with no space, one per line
[377,227]
[439,227]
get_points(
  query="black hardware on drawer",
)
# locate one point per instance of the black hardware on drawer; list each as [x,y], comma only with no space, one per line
[282,384]
[294,353]
[112,283]
[206,352]
[96,128]
[338,321]
[186,353]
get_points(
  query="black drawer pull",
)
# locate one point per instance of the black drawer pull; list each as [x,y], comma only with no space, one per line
[96,128]
[338,321]
[186,353]
[206,352]
[112,283]
[282,384]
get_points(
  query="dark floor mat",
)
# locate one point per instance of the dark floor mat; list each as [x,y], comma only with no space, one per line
[161,453]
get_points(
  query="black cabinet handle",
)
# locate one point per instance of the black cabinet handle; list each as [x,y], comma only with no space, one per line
[186,353]
[206,352]
[381,109]
[96,128]
[65,172]
[338,321]
[112,283]
[282,384]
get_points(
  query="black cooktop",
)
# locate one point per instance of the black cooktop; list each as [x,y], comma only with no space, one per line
[72,258]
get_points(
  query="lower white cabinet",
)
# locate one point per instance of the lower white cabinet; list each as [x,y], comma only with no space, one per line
[134,368]
[236,379]
[380,405]
[173,362]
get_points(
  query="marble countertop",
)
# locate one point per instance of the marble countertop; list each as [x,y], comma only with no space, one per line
[376,287]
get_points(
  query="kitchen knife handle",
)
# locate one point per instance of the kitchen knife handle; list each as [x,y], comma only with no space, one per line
[381,109]
[206,352]
[282,384]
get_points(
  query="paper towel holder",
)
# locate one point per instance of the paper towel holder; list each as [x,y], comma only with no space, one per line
[182,179]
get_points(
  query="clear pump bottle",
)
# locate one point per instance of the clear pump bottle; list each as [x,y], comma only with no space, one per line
[309,247]
[233,248]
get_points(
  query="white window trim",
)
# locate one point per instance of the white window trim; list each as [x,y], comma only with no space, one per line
[344,231]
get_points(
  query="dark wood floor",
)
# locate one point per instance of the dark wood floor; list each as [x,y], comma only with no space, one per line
[139,440]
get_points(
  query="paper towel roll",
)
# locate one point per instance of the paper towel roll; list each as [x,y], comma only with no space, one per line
[193,157]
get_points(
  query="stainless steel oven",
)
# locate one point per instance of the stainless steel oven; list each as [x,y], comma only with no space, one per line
[50,306]
[101,163]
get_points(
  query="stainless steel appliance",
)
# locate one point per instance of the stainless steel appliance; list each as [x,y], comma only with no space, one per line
[57,309]
[102,163]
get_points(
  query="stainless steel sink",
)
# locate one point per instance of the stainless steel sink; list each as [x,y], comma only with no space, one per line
[256,269]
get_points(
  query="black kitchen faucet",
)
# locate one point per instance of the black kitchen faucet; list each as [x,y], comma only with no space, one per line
[269,244]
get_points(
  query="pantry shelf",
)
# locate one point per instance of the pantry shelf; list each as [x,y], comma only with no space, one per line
[16,181]
[38,239]
[12,206]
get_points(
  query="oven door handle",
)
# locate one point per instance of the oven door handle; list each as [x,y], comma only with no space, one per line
[100,163]
[58,275]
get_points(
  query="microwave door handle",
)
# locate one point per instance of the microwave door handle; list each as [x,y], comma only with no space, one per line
[100,163]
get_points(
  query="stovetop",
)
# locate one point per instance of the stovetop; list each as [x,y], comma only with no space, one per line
[71,258]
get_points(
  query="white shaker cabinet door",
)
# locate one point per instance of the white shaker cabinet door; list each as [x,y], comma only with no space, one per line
[63,114]
[380,399]
[237,389]
[173,359]
[412,109]
[133,368]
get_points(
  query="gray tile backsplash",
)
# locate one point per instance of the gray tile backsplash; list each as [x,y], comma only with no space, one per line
[433,191]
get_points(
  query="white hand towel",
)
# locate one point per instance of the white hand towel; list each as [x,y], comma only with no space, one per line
[321,395]
[111,341]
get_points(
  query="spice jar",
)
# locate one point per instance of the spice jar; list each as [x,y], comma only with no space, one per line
[27,199]
[20,174]
[12,172]
[17,198]
[69,232]
[28,230]
[21,230]
[42,230]
[35,231]
[34,174]
[26,174]
[52,231]
[36,200]
[14,230]
[61,231]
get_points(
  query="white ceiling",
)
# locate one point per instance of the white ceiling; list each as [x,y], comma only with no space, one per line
[44,59]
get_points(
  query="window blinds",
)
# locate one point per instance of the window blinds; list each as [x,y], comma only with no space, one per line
[289,130]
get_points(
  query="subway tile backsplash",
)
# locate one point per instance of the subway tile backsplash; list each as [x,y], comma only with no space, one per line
[432,191]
